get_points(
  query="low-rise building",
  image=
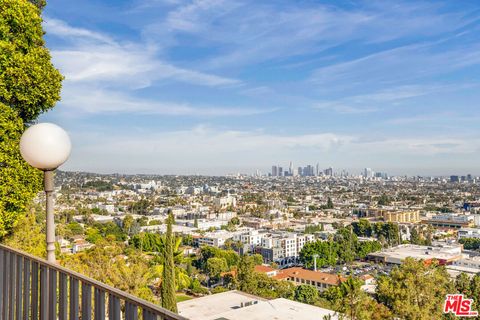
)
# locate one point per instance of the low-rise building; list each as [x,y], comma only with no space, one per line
[319,280]
[398,216]
[236,305]
[214,239]
[451,220]
[444,254]
[468,233]
[468,264]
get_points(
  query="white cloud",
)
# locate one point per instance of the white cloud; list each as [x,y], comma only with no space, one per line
[87,100]
[423,146]
[62,29]
[133,66]
[207,150]
[396,67]
[253,31]
[200,147]
[102,76]
[99,58]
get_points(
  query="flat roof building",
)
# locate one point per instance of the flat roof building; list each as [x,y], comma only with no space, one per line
[237,305]
[446,254]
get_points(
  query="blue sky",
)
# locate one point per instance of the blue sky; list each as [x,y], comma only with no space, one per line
[214,87]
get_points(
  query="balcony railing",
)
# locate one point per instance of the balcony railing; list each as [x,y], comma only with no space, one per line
[32,288]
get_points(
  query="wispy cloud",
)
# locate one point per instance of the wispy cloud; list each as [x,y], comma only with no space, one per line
[195,150]
[102,75]
[252,31]
[134,66]
[100,58]
[379,100]
[85,100]
[198,147]
[398,66]
[426,146]
[62,29]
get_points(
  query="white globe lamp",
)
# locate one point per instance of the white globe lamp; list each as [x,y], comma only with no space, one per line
[46,146]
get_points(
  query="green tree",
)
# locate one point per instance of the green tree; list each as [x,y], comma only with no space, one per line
[462,284]
[384,200]
[415,236]
[326,250]
[19,182]
[329,203]
[470,243]
[104,262]
[475,291]
[127,224]
[29,86]
[350,302]
[257,259]
[75,228]
[29,83]
[246,274]
[39,3]
[215,266]
[415,290]
[28,235]
[362,228]
[306,293]
[168,284]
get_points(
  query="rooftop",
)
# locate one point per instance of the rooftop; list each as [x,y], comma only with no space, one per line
[209,307]
[227,306]
[401,252]
[317,276]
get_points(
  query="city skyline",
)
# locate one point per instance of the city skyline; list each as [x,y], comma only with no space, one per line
[214,87]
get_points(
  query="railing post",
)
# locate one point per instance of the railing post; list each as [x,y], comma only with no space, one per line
[114,307]
[26,289]
[19,298]
[35,291]
[63,297]
[11,297]
[73,298]
[6,276]
[131,311]
[2,284]
[99,304]
[52,294]
[43,293]
[86,301]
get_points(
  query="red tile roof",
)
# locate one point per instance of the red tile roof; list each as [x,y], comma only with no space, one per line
[321,277]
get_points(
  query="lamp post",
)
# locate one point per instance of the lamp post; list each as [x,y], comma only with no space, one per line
[315,256]
[46,146]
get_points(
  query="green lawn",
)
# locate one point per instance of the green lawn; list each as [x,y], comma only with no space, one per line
[183,297]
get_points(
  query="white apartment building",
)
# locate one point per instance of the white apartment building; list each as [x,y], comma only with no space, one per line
[253,237]
[110,208]
[225,202]
[468,264]
[214,239]
[468,233]
[204,224]
[285,246]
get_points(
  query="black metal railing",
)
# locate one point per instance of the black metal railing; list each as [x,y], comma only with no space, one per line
[33,288]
